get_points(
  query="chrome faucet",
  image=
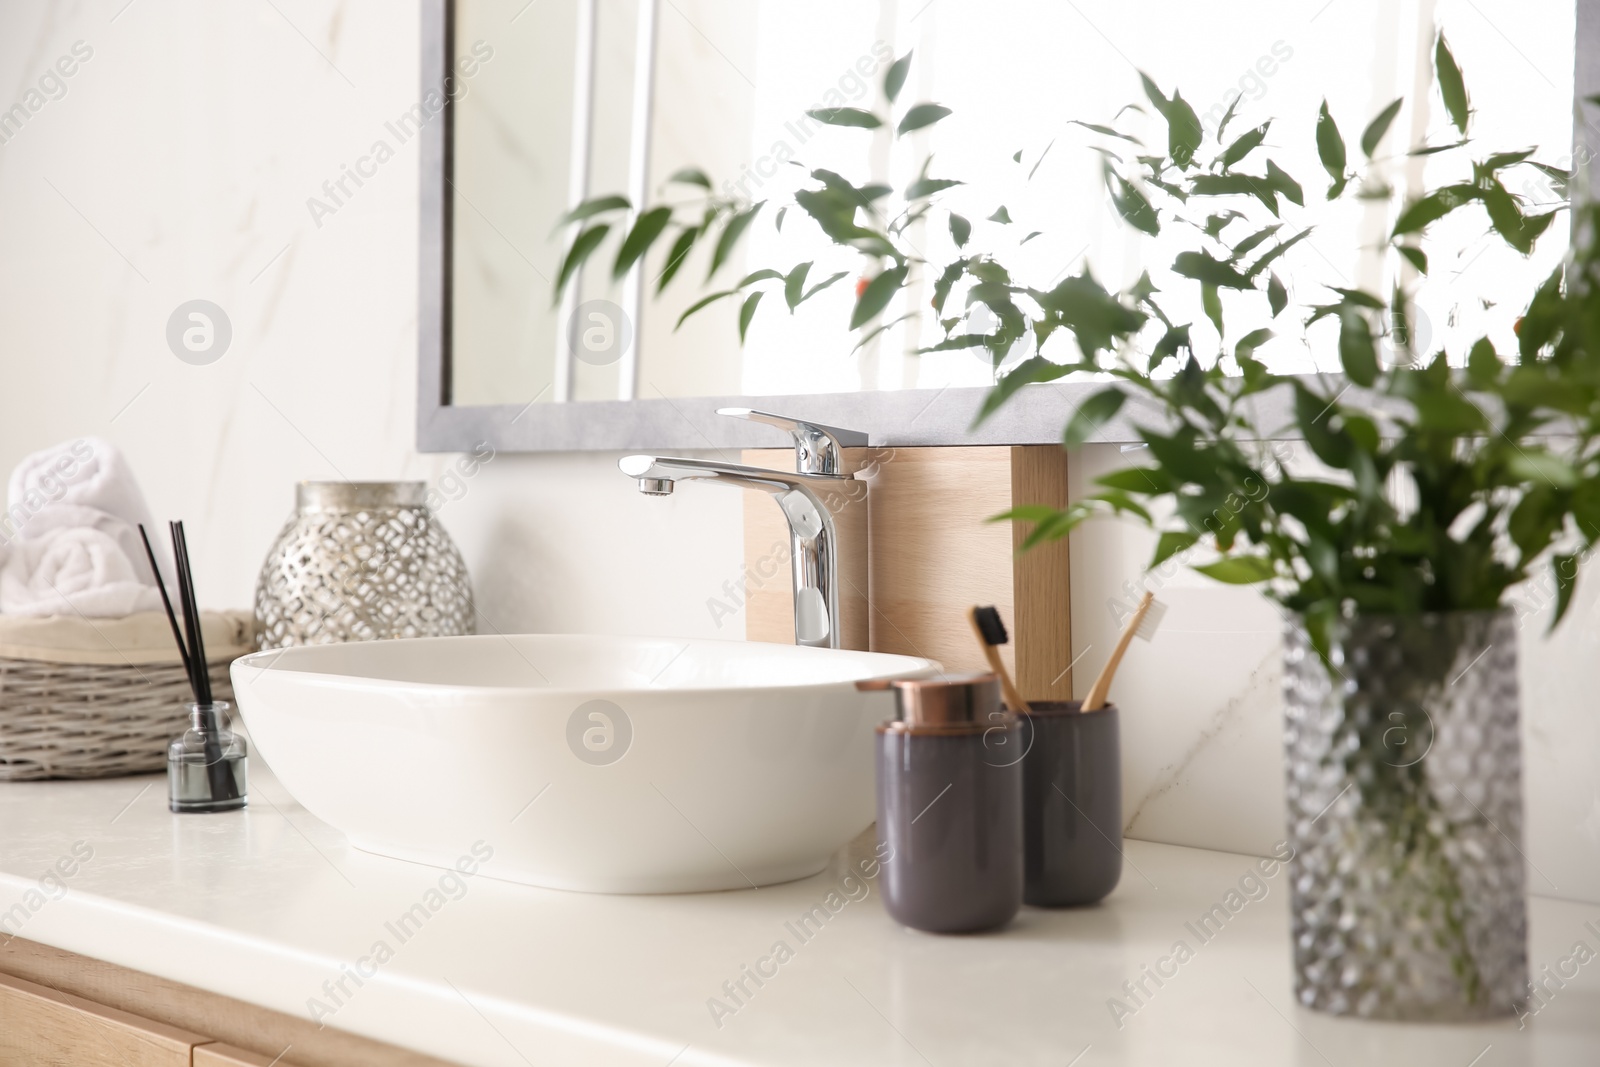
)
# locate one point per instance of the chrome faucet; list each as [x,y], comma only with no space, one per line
[827,556]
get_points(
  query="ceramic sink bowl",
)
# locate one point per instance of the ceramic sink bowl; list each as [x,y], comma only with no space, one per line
[601,764]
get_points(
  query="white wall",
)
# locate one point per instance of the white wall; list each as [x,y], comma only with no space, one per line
[177,166]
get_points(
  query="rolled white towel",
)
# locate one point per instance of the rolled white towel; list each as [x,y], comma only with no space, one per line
[73,571]
[88,472]
[56,517]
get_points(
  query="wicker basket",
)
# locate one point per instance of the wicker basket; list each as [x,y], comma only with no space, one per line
[99,698]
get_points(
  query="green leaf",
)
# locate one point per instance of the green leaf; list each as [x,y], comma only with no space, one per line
[1153,91]
[1029,371]
[1330,149]
[1238,570]
[1313,415]
[1095,317]
[947,278]
[1277,295]
[1000,215]
[880,328]
[876,296]
[1094,412]
[958,342]
[920,116]
[1276,251]
[794,285]
[748,312]
[592,207]
[960,230]
[731,234]
[1378,127]
[1519,231]
[648,227]
[1433,207]
[1435,149]
[1483,364]
[1537,465]
[583,247]
[704,301]
[928,186]
[1247,345]
[765,274]
[1565,570]
[677,255]
[1279,182]
[690,176]
[823,284]
[1234,185]
[1535,520]
[846,116]
[1246,143]
[1026,513]
[1227,117]
[1414,256]
[895,79]
[1211,304]
[1104,130]
[1170,544]
[1249,244]
[1451,86]
[1040,161]
[1357,354]
[1151,481]
[1203,267]
[1184,132]
[777,220]
[1132,206]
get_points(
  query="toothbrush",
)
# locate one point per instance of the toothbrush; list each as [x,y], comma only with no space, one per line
[1146,617]
[991,633]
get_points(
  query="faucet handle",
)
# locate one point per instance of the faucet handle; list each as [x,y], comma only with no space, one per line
[816,447]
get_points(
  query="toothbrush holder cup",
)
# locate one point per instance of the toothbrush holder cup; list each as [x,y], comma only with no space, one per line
[1072,804]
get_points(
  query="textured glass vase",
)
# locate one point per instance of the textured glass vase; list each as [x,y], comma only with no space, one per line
[1405,814]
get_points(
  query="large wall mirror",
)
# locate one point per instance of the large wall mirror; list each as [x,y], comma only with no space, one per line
[552,101]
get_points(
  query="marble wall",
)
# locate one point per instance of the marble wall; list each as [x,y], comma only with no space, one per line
[176,163]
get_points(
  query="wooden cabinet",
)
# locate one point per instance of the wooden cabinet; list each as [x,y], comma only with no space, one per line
[228,1056]
[41,1027]
[60,1009]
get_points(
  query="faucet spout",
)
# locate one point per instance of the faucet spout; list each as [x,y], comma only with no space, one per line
[809,503]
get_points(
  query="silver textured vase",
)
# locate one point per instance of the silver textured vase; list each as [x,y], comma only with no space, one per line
[361,561]
[1405,813]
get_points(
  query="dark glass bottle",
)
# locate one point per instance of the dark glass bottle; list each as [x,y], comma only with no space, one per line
[950,805]
[206,766]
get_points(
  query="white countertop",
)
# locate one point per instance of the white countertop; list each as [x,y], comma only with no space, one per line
[266,905]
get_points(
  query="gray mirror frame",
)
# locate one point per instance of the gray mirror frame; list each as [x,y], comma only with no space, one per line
[890,418]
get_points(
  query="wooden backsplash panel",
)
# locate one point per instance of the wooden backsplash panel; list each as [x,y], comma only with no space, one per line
[932,556]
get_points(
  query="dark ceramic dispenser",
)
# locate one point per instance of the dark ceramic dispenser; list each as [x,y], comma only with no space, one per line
[950,804]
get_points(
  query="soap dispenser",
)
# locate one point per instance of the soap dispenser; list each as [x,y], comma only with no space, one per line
[950,804]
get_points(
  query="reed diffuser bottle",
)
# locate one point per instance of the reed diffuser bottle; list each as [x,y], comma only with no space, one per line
[206,765]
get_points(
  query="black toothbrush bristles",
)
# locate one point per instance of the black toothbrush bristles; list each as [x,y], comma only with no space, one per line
[990,626]
[166,602]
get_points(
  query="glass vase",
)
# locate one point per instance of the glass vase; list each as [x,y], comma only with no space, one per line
[1405,814]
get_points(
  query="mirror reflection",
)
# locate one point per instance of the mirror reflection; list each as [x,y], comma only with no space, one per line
[583,99]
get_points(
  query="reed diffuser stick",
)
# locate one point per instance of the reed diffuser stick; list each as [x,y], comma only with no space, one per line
[166,602]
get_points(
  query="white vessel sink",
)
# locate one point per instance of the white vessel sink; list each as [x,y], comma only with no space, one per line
[602,764]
